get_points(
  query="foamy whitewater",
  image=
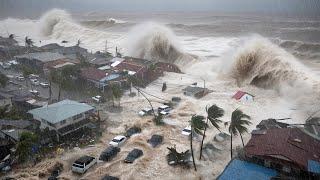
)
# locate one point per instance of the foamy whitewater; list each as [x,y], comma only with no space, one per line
[224,53]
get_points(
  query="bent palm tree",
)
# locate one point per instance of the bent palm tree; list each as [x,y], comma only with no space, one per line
[213,113]
[238,124]
[197,125]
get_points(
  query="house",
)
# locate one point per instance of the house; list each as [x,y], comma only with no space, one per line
[94,76]
[5,99]
[8,41]
[239,170]
[39,60]
[195,91]
[64,117]
[270,124]
[288,150]
[16,124]
[71,52]
[99,59]
[243,96]
[313,126]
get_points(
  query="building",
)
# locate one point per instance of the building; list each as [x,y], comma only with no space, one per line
[239,170]
[64,117]
[5,99]
[287,150]
[16,124]
[39,60]
[71,52]
[270,124]
[313,126]
[94,76]
[243,96]
[195,91]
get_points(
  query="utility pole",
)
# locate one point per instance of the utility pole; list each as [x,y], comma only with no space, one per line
[106,47]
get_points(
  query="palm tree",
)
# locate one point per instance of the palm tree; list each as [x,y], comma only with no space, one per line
[213,113]
[28,42]
[238,124]
[197,125]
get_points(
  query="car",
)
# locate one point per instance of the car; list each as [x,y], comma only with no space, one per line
[164,113]
[34,92]
[35,82]
[155,140]
[5,65]
[82,164]
[145,112]
[118,141]
[133,130]
[44,84]
[97,99]
[33,76]
[164,108]
[186,131]
[109,153]
[20,78]
[133,155]
[107,177]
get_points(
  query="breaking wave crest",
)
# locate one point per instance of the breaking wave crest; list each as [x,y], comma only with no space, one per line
[49,20]
[301,49]
[156,42]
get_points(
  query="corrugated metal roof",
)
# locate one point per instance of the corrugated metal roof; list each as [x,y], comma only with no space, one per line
[42,56]
[62,110]
[239,170]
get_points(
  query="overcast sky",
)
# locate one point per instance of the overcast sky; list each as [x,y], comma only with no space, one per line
[37,7]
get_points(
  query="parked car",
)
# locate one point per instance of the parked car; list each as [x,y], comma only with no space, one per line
[20,78]
[155,140]
[164,113]
[164,109]
[34,76]
[5,65]
[35,82]
[145,112]
[107,177]
[133,130]
[133,155]
[186,131]
[82,164]
[118,141]
[44,84]
[98,99]
[34,92]
[109,153]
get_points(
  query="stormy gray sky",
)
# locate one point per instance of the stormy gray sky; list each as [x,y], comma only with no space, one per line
[36,7]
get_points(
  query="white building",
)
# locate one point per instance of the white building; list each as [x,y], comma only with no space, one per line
[243,96]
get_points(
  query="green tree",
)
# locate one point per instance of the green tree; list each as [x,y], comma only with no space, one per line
[116,93]
[24,146]
[238,124]
[3,80]
[213,114]
[197,124]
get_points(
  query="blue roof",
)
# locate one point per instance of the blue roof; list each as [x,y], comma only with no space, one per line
[314,166]
[60,111]
[239,170]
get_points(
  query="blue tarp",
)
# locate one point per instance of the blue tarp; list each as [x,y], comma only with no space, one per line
[239,170]
[314,166]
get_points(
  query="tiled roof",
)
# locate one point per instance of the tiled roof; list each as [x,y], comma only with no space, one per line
[42,56]
[93,73]
[59,111]
[290,143]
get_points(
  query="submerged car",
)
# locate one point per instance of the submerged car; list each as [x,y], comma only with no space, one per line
[44,84]
[133,155]
[34,92]
[109,153]
[107,177]
[145,112]
[186,131]
[133,130]
[164,108]
[155,140]
[117,141]
[98,99]
[82,164]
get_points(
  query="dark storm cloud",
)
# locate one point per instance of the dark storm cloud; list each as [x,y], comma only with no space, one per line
[36,7]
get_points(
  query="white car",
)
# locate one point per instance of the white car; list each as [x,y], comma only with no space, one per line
[33,76]
[186,131]
[118,141]
[20,78]
[145,112]
[97,99]
[34,92]
[82,164]
[44,84]
[35,82]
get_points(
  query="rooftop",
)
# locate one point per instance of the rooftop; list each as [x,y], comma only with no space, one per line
[60,111]
[20,124]
[138,61]
[93,73]
[42,56]
[194,89]
[239,95]
[290,144]
[238,169]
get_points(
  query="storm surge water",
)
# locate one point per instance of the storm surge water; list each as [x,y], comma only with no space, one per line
[156,42]
[260,63]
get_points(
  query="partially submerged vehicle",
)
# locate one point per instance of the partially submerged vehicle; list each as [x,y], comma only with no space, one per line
[109,153]
[164,109]
[98,99]
[82,164]
[133,155]
[186,131]
[145,112]
[155,140]
[133,130]
[44,84]
[176,158]
[117,141]
[34,92]
[107,177]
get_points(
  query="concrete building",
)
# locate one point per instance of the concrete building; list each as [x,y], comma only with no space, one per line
[64,117]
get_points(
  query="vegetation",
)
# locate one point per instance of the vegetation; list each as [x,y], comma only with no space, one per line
[176,158]
[116,93]
[158,119]
[25,146]
[28,42]
[238,124]
[164,87]
[213,114]
[3,80]
[13,113]
[197,126]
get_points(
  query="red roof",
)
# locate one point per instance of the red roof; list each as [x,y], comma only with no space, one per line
[291,143]
[239,95]
[93,73]
[130,66]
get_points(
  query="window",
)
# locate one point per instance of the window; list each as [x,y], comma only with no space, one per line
[78,116]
